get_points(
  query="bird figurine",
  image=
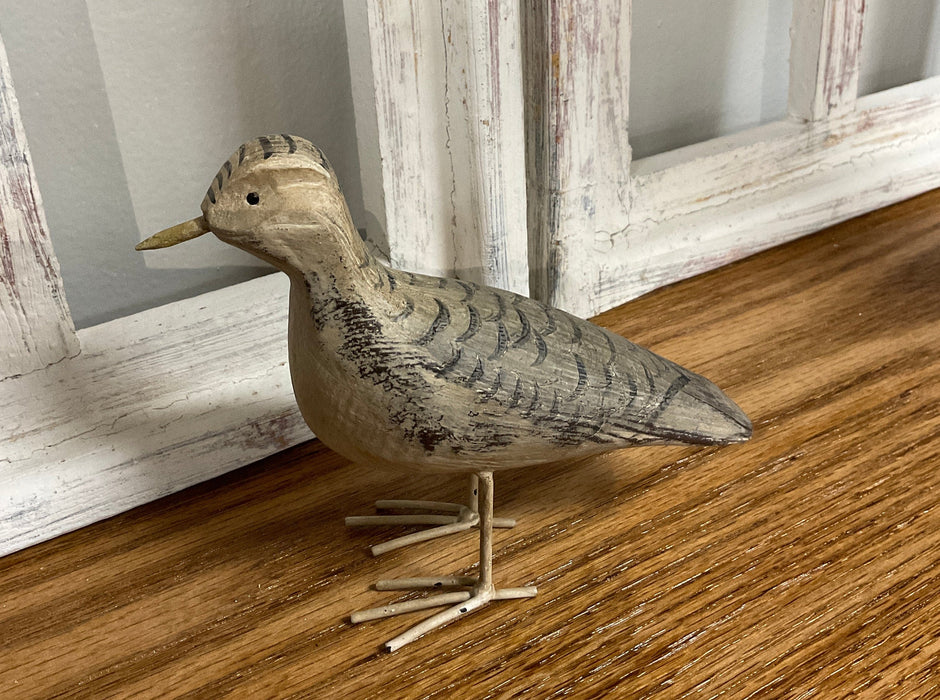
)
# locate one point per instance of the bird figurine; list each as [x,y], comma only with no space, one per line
[412,372]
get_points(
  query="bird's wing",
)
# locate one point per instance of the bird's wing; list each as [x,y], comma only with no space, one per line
[569,380]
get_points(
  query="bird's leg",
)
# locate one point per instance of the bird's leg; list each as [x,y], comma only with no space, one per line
[474,497]
[447,518]
[481,592]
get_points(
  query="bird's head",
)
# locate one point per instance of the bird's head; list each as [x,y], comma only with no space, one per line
[278,198]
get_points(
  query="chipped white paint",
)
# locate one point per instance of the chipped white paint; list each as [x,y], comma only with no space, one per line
[152,403]
[35,326]
[604,233]
[155,402]
[448,90]
[826,40]
[577,97]
[704,206]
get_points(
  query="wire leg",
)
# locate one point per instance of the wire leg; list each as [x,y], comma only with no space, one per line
[481,592]
[447,518]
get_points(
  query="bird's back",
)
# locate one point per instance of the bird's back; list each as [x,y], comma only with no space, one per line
[473,376]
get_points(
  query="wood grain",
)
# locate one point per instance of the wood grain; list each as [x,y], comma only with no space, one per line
[805,563]
[483,105]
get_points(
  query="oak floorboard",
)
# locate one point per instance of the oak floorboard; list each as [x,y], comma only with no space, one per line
[805,563]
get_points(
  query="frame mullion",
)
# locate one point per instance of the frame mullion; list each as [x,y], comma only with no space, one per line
[35,325]
[415,174]
[577,78]
[825,46]
[448,88]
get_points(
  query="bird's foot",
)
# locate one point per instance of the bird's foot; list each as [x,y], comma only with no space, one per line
[461,602]
[447,518]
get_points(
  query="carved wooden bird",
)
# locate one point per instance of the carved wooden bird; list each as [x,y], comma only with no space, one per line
[407,371]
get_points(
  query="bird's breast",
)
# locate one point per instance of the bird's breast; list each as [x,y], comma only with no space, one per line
[357,386]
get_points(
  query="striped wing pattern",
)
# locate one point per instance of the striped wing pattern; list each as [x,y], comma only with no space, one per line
[566,380]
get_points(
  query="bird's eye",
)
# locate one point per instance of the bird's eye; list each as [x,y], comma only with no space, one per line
[252,198]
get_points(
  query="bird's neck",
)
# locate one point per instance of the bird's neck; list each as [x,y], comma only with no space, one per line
[327,248]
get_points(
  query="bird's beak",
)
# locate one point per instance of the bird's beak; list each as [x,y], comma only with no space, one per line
[175,234]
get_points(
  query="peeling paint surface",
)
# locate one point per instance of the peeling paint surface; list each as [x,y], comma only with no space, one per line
[35,326]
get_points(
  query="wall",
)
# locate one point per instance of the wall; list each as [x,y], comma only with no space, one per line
[700,70]
[900,43]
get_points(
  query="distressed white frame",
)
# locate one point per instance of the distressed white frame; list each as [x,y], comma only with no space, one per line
[447,77]
[98,421]
[609,230]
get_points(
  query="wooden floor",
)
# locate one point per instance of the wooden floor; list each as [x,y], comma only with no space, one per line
[803,564]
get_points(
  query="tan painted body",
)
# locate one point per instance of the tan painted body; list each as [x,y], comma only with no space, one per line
[407,371]
[367,421]
[404,370]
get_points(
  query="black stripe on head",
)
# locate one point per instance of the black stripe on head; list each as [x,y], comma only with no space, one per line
[262,148]
[286,144]
[316,153]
